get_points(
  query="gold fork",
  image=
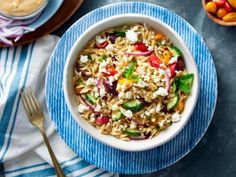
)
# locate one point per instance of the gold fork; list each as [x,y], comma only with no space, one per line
[36,118]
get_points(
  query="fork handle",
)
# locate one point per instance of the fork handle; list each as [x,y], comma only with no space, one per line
[57,166]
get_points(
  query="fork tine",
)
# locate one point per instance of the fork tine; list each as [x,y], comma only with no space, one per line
[34,99]
[25,103]
[31,103]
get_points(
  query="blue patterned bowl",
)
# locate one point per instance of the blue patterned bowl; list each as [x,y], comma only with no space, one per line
[71,102]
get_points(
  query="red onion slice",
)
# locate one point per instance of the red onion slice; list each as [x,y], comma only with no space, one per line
[142,137]
[139,53]
[87,103]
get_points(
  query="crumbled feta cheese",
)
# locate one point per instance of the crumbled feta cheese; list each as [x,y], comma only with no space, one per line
[114,107]
[147,113]
[163,42]
[160,92]
[150,48]
[176,117]
[98,108]
[102,66]
[146,77]
[128,114]
[116,76]
[161,123]
[156,79]
[161,71]
[102,92]
[141,70]
[145,42]
[109,47]
[82,108]
[99,39]
[128,95]
[158,108]
[83,58]
[121,95]
[91,81]
[133,125]
[173,60]
[132,36]
[141,84]
[111,80]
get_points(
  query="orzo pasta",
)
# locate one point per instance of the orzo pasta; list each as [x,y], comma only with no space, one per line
[130,82]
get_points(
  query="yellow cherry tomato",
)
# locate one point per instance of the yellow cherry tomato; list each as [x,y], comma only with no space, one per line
[232,3]
[211,7]
[221,13]
[230,17]
[159,36]
[167,55]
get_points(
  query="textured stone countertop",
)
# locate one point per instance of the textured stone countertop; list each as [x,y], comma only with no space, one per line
[215,155]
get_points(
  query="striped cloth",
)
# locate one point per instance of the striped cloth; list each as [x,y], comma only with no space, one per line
[21,147]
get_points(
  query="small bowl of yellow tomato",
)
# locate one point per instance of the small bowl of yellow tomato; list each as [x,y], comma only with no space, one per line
[222,12]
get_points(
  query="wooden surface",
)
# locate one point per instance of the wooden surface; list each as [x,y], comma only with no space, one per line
[67,9]
[215,19]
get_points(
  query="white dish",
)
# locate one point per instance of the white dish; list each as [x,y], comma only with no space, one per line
[71,102]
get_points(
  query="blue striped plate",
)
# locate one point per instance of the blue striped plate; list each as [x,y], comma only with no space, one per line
[132,162]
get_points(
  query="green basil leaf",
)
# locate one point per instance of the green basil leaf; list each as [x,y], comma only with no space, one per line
[185,83]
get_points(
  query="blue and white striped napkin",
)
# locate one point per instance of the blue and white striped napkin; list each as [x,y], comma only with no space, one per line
[21,147]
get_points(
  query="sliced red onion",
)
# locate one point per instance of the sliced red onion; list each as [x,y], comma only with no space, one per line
[167,78]
[139,53]
[99,85]
[141,137]
[87,103]
[13,30]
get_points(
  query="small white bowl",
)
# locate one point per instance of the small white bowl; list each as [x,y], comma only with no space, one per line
[71,102]
[26,17]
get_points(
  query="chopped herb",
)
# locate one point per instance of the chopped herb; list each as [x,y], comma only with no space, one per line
[90,58]
[120,33]
[103,57]
[79,82]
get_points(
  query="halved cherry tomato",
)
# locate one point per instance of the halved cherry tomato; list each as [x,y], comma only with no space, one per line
[111,71]
[155,61]
[140,46]
[102,45]
[219,2]
[102,120]
[172,69]
[228,7]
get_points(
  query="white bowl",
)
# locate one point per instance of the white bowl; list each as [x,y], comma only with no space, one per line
[71,102]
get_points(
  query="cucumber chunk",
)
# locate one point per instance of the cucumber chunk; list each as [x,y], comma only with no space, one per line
[172,103]
[133,105]
[117,115]
[132,132]
[90,98]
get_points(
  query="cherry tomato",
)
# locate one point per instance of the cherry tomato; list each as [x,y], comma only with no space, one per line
[221,13]
[102,120]
[111,71]
[211,7]
[172,69]
[102,45]
[155,61]
[228,7]
[140,46]
[219,2]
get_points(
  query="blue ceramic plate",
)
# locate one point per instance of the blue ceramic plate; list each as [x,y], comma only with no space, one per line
[132,162]
[49,11]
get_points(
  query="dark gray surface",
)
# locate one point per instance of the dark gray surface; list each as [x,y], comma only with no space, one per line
[215,155]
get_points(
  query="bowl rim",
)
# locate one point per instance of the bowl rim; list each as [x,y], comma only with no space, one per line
[215,19]
[76,117]
[26,17]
